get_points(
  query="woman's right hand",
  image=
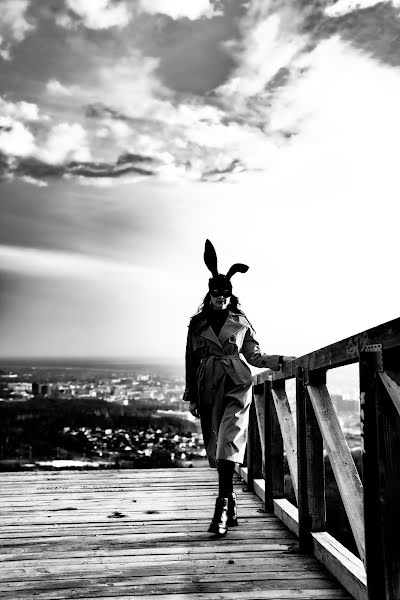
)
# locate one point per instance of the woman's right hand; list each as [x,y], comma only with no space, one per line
[194,409]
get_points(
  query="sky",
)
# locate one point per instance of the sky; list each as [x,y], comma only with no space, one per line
[133,130]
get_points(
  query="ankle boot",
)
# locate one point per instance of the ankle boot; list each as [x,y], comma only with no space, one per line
[219,520]
[232,510]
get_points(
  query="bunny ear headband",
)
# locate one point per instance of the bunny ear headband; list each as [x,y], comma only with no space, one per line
[210,258]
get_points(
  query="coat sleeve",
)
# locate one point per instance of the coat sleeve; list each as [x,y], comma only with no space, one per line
[252,353]
[191,364]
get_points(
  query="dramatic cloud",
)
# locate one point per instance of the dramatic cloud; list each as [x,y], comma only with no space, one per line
[265,116]
[96,14]
[14,26]
[32,169]
[343,7]
[270,41]
[176,9]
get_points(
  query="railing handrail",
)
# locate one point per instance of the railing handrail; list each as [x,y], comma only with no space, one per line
[371,505]
[341,353]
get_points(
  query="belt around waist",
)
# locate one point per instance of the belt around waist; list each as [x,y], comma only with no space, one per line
[217,357]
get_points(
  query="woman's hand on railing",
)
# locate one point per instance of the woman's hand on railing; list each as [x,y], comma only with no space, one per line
[286,359]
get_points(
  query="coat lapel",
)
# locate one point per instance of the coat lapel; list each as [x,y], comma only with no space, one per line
[230,327]
[203,329]
[209,334]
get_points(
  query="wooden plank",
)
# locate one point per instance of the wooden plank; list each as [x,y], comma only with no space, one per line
[231,575]
[164,551]
[288,430]
[153,567]
[270,589]
[344,469]
[346,568]
[146,549]
[206,593]
[288,514]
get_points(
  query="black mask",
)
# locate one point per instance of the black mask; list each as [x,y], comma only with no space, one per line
[220,286]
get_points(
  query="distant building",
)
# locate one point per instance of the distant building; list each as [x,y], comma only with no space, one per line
[143,377]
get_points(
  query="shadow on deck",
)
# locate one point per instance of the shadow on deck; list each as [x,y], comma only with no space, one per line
[123,534]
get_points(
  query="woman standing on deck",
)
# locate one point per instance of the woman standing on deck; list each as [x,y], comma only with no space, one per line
[219,383]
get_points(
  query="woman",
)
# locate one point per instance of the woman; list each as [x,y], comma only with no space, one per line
[219,383]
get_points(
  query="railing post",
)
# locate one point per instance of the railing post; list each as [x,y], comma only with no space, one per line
[274,464]
[311,473]
[254,452]
[381,472]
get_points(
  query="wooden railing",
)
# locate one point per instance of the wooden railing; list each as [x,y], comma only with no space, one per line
[373,504]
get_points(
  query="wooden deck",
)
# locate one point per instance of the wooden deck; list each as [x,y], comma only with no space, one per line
[127,534]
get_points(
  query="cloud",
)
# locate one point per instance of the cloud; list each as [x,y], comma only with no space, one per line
[54,87]
[96,14]
[13,25]
[270,40]
[133,127]
[65,142]
[15,139]
[36,171]
[24,111]
[344,7]
[177,9]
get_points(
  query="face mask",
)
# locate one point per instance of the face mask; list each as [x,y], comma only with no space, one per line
[224,293]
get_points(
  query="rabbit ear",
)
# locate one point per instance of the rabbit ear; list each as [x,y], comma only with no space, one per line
[236,268]
[210,258]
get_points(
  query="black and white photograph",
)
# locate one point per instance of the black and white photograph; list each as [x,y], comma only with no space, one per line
[199,299]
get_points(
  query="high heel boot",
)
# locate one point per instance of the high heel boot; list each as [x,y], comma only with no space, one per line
[232,510]
[220,518]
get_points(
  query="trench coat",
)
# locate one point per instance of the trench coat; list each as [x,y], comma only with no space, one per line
[220,382]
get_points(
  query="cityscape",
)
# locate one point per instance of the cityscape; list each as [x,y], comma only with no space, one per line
[99,415]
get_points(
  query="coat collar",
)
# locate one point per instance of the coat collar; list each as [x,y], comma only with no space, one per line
[230,327]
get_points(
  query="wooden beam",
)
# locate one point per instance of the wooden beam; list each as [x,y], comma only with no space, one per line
[344,566]
[312,511]
[392,388]
[288,429]
[288,514]
[344,469]
[254,453]
[340,562]
[274,464]
[341,353]
[259,404]
[381,473]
